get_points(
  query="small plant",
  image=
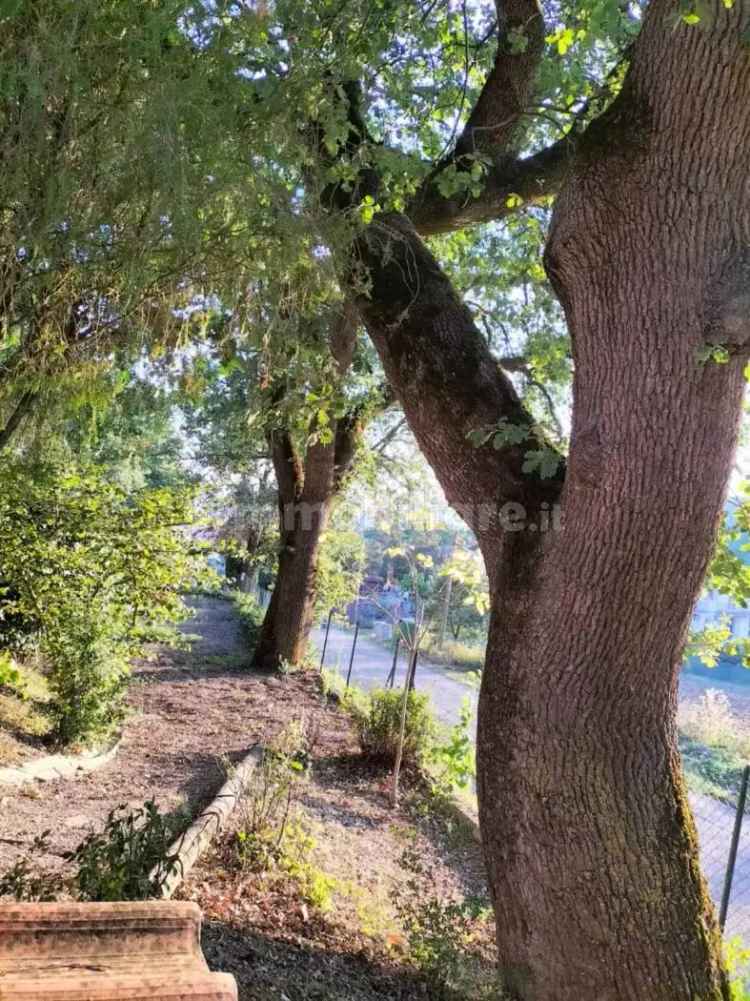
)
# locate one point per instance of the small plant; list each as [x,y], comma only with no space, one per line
[266,799]
[440,935]
[10,676]
[270,836]
[27,881]
[454,760]
[131,859]
[298,846]
[379,724]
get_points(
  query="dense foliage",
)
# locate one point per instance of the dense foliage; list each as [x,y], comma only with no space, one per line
[84,565]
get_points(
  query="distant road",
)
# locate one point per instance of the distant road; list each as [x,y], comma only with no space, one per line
[372,664]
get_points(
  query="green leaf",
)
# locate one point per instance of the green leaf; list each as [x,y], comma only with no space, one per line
[544,461]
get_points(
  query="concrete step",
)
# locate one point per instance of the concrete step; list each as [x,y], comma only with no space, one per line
[144,951]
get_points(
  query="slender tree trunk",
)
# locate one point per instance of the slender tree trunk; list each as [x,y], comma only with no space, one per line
[289,618]
[445,612]
[308,489]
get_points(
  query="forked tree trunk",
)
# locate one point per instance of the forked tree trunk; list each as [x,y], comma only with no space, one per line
[307,490]
[288,620]
[590,846]
[590,843]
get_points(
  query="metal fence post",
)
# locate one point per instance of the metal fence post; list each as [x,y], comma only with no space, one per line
[390,681]
[354,647]
[325,641]
[738,818]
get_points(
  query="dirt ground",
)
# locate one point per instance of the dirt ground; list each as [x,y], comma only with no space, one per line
[280,948]
[190,710]
[194,711]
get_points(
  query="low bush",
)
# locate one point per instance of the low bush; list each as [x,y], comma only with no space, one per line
[129,859]
[442,936]
[297,861]
[266,799]
[89,564]
[271,836]
[378,723]
[23,715]
[452,758]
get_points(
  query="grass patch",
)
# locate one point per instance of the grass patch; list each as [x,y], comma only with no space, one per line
[461,656]
[23,719]
[714,748]
[714,771]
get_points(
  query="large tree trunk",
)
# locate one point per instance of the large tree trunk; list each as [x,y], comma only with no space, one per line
[589,840]
[590,847]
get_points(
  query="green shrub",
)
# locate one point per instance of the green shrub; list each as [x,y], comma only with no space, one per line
[251,616]
[130,859]
[737,958]
[379,724]
[89,564]
[266,799]
[440,934]
[296,860]
[453,758]
[10,675]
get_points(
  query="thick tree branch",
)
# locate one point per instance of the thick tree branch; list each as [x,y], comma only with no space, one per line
[388,437]
[509,185]
[21,410]
[448,382]
[290,475]
[493,122]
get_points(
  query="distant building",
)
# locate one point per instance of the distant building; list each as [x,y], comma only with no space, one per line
[715,608]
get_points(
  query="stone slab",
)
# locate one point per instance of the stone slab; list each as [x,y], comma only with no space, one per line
[130,951]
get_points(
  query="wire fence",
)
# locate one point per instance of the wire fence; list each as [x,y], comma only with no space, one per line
[724,837]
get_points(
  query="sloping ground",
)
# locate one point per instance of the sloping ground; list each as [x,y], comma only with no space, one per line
[190,711]
[23,724]
[385,870]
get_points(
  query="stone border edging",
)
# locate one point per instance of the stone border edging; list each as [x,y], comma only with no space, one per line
[56,766]
[190,846]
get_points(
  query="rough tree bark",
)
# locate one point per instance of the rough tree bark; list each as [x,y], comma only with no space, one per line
[588,837]
[307,491]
